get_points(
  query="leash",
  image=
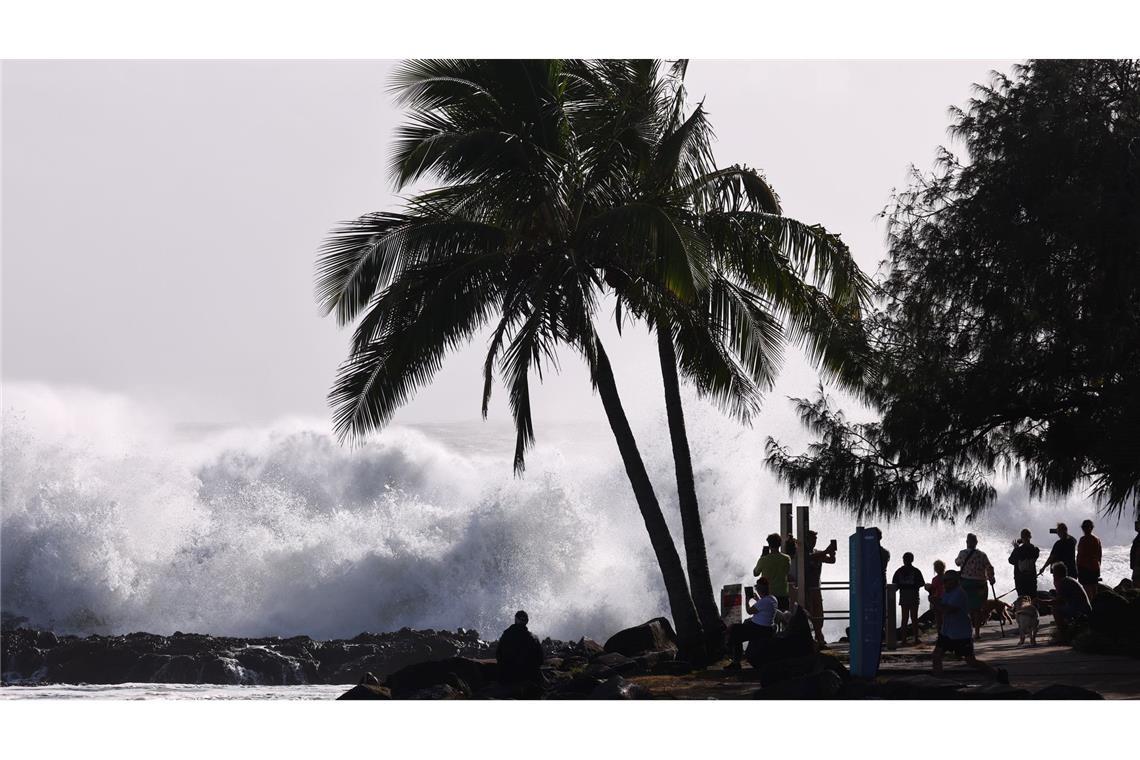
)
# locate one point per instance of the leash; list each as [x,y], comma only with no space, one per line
[1001,618]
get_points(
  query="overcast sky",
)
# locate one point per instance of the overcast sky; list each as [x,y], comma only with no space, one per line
[160,219]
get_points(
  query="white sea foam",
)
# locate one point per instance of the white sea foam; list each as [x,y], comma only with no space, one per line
[115,521]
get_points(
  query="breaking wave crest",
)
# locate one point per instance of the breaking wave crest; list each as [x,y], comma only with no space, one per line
[114,521]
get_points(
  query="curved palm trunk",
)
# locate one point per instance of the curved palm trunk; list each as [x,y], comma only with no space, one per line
[696,557]
[689,634]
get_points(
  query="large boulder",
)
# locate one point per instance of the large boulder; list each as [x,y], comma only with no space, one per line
[1111,614]
[655,635]
[461,673]
[366,691]
[822,685]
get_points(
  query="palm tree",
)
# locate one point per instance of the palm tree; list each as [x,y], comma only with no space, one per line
[510,237]
[707,259]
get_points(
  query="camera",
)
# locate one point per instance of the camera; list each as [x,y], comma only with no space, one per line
[1053,531]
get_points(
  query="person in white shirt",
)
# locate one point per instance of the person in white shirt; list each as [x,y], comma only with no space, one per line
[759,627]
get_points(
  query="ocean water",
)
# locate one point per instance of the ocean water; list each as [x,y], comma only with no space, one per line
[166,691]
[116,521]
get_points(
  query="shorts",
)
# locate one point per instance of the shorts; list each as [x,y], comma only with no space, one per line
[963,647]
[976,593]
[1087,576]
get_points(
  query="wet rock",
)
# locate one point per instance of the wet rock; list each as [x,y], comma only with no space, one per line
[590,648]
[616,662]
[598,671]
[617,687]
[672,668]
[1065,691]
[577,687]
[822,685]
[653,636]
[439,691]
[474,675]
[46,640]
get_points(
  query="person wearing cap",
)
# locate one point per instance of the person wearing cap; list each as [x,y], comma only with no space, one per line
[1064,550]
[955,633]
[1088,559]
[519,654]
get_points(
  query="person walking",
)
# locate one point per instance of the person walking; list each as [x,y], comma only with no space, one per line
[1064,550]
[1024,560]
[954,633]
[976,573]
[1088,559]
[909,581]
[774,567]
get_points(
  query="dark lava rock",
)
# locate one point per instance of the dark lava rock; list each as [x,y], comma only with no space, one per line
[617,687]
[590,648]
[1111,613]
[473,674]
[822,685]
[577,687]
[598,671]
[46,640]
[1064,691]
[785,670]
[366,691]
[616,662]
[440,691]
[653,636]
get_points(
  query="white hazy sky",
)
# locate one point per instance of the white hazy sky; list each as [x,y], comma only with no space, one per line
[160,219]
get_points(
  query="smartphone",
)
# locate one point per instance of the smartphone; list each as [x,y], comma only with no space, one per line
[833,545]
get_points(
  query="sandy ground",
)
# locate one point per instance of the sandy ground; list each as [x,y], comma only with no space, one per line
[1029,668]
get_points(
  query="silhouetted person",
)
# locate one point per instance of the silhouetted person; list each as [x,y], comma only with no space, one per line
[1134,555]
[1070,602]
[758,629]
[1088,559]
[977,572]
[1064,550]
[936,587]
[773,566]
[813,569]
[1024,560]
[954,634]
[909,581]
[519,654]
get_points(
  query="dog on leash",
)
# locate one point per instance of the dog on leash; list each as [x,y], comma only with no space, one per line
[996,609]
[1028,619]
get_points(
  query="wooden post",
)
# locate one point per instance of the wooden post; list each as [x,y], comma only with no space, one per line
[801,555]
[785,522]
[892,622]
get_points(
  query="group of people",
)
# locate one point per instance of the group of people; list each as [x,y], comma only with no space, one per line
[957,597]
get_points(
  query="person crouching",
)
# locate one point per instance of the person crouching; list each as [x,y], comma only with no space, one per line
[955,633]
[758,629]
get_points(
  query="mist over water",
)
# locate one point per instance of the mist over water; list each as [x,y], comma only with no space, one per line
[116,521]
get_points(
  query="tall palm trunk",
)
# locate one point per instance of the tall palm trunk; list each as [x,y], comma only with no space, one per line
[689,634]
[696,557]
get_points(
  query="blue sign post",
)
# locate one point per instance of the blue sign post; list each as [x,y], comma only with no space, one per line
[866,605]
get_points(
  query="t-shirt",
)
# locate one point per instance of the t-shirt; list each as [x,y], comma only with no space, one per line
[956,621]
[764,610]
[1065,551]
[909,581]
[936,587]
[1024,559]
[1072,596]
[974,565]
[1088,553]
[774,567]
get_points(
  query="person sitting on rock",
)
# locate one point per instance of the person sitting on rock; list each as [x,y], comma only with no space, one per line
[1070,602]
[519,654]
[757,629]
[956,633]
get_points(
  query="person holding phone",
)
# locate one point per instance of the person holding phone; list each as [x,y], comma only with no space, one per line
[813,569]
